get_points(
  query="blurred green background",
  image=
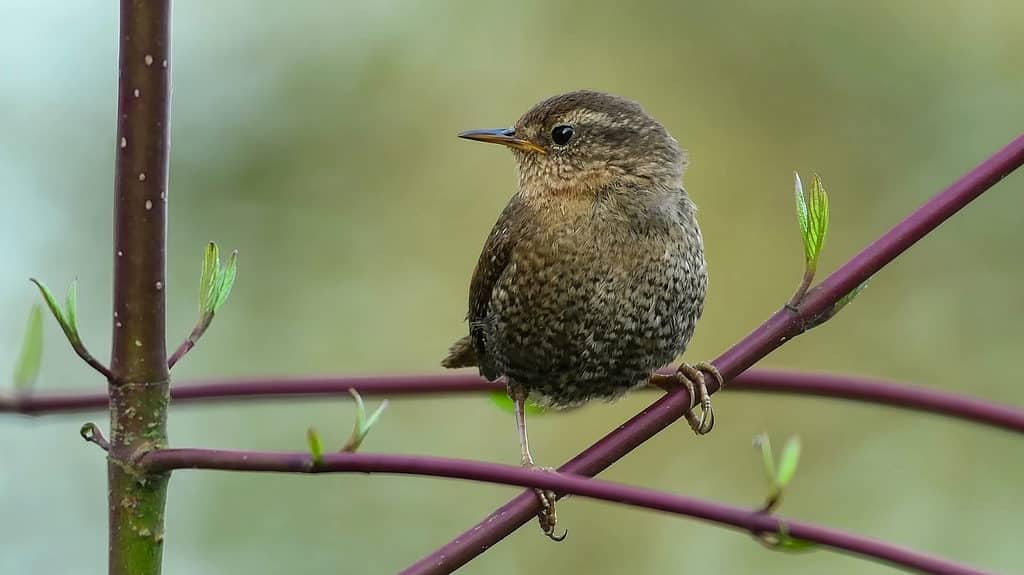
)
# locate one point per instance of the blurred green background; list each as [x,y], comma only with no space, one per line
[318,139]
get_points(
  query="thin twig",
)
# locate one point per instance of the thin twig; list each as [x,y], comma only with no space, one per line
[801,290]
[92,361]
[783,326]
[751,521]
[197,332]
[856,388]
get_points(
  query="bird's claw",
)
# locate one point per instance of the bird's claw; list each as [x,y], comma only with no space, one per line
[692,378]
[547,516]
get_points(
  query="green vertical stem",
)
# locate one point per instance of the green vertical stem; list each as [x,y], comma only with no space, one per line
[139,386]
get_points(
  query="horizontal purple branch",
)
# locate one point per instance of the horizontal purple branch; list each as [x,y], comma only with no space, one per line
[265,388]
[757,380]
[747,520]
[781,327]
[890,393]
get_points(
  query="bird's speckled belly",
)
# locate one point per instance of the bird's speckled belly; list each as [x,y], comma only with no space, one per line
[581,316]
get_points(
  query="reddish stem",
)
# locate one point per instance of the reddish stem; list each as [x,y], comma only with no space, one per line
[751,521]
[139,383]
[757,380]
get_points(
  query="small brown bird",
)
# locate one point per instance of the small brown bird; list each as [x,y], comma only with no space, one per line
[594,274]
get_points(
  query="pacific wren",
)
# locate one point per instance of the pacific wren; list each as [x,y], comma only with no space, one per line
[594,274]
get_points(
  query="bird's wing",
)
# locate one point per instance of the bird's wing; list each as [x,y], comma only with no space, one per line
[494,260]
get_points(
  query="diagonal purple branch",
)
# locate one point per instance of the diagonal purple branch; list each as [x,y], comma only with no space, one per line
[757,380]
[779,328]
[743,519]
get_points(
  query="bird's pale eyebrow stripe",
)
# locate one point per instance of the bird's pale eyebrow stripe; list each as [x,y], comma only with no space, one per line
[596,117]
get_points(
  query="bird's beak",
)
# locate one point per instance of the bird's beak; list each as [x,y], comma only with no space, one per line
[504,136]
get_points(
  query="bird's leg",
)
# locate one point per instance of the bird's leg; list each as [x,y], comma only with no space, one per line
[546,516]
[692,378]
[518,395]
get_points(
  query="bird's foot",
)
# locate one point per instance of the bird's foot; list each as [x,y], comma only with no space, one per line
[692,378]
[547,517]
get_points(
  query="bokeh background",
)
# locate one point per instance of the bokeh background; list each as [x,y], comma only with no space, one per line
[318,139]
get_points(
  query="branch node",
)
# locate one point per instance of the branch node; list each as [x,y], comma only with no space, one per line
[781,540]
[93,434]
[135,463]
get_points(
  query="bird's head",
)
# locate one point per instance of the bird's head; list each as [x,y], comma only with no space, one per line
[585,141]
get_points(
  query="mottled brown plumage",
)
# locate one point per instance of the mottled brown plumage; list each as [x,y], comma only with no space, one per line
[594,274]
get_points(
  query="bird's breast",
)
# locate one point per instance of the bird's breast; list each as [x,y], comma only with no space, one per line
[589,307]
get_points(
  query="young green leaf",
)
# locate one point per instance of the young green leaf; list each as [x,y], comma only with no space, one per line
[66,318]
[225,281]
[216,282]
[360,411]
[316,447]
[764,444]
[30,358]
[363,423]
[812,215]
[788,462]
[504,402]
[801,208]
[71,305]
[51,302]
[781,474]
[208,279]
[372,420]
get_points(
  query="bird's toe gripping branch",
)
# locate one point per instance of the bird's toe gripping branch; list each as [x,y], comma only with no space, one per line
[691,377]
[547,516]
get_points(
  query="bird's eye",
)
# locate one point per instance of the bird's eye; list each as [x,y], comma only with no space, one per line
[561,135]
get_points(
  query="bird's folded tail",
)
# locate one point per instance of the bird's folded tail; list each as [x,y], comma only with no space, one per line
[460,354]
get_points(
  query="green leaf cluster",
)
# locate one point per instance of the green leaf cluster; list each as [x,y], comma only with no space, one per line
[779,475]
[67,316]
[216,282]
[363,424]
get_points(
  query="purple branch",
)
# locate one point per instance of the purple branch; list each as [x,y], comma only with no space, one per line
[743,519]
[881,392]
[757,380]
[779,328]
[138,353]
